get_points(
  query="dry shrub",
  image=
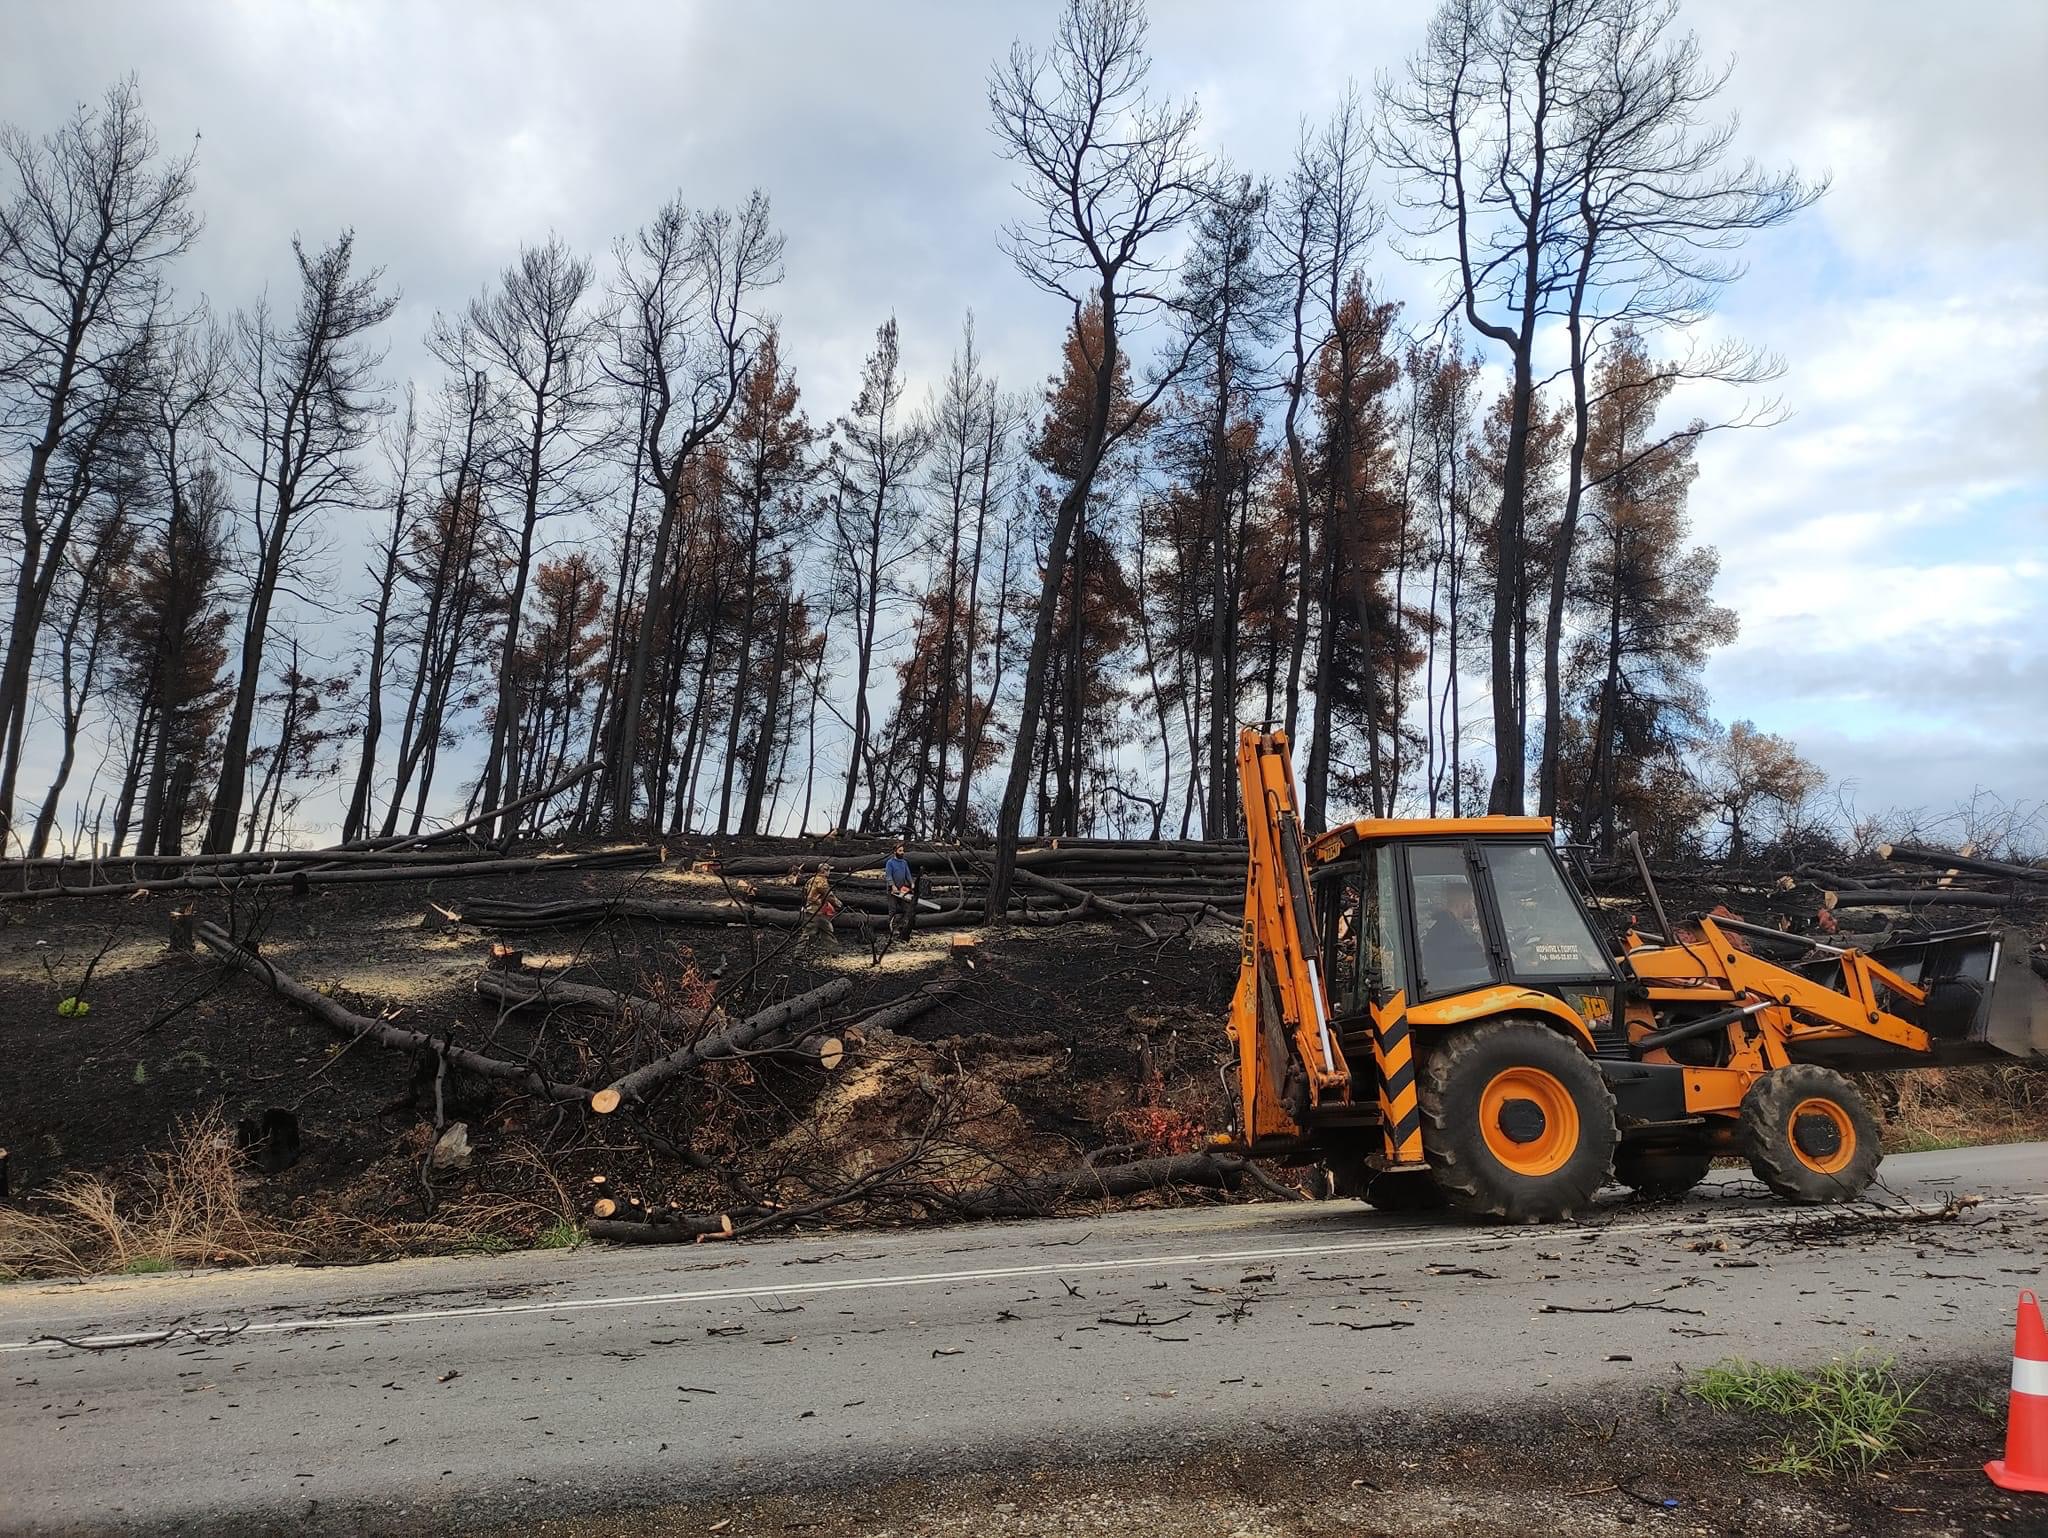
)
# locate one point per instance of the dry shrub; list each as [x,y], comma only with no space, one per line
[1954,1107]
[186,1210]
[1157,1130]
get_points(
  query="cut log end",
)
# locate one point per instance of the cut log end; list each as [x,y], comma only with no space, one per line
[831,1051]
[603,1207]
[605,1101]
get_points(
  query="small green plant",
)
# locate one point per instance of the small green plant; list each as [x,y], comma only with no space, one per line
[484,1244]
[559,1236]
[144,1265]
[141,1073]
[1845,1415]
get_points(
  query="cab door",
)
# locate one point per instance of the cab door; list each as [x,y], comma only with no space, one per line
[1368,959]
[1545,939]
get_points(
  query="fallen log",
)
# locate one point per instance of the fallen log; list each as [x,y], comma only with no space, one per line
[756,1029]
[346,1022]
[1920,897]
[1028,1197]
[490,913]
[679,1229]
[404,871]
[1040,1193]
[823,1052]
[1087,900]
[1914,854]
[523,990]
[487,913]
[906,1009]
[1131,859]
[262,859]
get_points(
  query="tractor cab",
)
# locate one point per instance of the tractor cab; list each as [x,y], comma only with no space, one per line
[1442,920]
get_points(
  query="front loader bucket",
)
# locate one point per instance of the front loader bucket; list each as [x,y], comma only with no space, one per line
[1983,997]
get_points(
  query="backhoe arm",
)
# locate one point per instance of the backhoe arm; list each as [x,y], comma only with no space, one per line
[1288,1058]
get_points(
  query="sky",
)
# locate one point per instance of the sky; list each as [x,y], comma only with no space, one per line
[1886,547]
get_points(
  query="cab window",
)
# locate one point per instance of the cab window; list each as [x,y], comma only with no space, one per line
[1383,953]
[1546,934]
[1337,905]
[1452,952]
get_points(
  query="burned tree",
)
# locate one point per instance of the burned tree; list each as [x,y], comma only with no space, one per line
[536,338]
[93,218]
[1109,171]
[302,398]
[444,624]
[768,462]
[1657,211]
[1474,131]
[687,333]
[385,577]
[874,526]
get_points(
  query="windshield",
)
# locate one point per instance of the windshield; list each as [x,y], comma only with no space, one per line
[1547,935]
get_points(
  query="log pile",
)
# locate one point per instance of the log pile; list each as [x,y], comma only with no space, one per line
[1157,889]
[1904,884]
[438,853]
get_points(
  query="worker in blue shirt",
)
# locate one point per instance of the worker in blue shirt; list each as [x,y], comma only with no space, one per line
[902,892]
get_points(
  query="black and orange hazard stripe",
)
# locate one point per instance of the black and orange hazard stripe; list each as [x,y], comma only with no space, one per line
[1393,1053]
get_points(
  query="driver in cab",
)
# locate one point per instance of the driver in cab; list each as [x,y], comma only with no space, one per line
[1453,951]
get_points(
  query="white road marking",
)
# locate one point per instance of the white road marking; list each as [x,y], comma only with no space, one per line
[1465,1239]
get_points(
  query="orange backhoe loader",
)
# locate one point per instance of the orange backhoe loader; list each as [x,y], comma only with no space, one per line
[1427,1008]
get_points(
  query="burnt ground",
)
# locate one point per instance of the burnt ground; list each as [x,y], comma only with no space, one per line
[1617,1465]
[1062,1021]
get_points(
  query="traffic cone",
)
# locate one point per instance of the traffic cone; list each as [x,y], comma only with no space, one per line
[2025,1464]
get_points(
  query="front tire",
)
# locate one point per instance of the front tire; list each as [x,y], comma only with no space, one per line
[1810,1135]
[1517,1122]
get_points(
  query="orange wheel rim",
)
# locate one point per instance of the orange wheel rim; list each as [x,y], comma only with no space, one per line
[1529,1120]
[1822,1136]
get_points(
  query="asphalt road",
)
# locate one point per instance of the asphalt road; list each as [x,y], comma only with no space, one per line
[372,1398]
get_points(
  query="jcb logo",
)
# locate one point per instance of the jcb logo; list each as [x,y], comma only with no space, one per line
[1593,1006]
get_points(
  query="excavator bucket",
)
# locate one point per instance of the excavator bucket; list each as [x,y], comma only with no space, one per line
[1984,999]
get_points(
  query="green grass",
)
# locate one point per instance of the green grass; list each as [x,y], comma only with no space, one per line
[1929,1142]
[559,1236]
[1846,1415]
[144,1265]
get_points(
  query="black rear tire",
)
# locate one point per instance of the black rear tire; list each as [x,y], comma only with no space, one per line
[1404,1191]
[1661,1173]
[1355,1176]
[1517,1122]
[1810,1135]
